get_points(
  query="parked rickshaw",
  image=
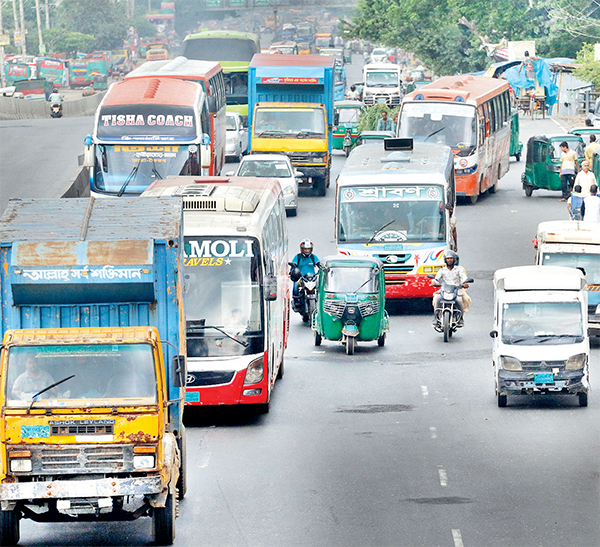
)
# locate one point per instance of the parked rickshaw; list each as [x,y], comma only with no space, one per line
[516,146]
[351,303]
[345,130]
[542,167]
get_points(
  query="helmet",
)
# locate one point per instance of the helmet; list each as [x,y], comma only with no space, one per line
[451,254]
[295,274]
[54,90]
[306,247]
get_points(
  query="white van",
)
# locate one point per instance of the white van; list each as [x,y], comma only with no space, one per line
[575,244]
[381,84]
[540,332]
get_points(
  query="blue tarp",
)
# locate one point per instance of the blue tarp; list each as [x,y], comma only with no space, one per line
[518,80]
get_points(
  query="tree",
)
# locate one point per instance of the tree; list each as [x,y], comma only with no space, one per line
[104,20]
[58,40]
[589,69]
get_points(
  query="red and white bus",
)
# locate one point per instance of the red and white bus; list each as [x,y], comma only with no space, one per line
[210,76]
[471,114]
[237,291]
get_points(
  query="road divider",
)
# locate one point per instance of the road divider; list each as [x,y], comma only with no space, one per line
[19,109]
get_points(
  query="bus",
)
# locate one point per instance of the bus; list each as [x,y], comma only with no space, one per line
[147,129]
[393,202]
[471,114]
[234,50]
[237,291]
[210,76]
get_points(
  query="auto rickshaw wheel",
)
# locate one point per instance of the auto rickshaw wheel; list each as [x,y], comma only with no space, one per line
[528,190]
[502,400]
[381,341]
[350,343]
[518,156]
[318,339]
[583,399]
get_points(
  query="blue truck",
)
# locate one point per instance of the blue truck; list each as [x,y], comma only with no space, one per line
[92,373]
[290,111]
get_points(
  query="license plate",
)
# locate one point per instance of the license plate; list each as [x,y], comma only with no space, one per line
[353,298]
[543,378]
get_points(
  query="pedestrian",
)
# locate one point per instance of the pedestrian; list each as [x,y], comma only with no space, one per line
[591,206]
[590,148]
[585,178]
[384,123]
[575,203]
[568,164]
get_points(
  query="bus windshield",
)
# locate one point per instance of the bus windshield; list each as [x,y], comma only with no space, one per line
[220,49]
[382,79]
[301,122]
[85,375]
[236,87]
[130,169]
[416,215]
[445,123]
[223,296]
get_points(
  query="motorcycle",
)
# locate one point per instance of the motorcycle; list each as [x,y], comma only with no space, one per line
[306,301]
[56,111]
[448,314]
[347,146]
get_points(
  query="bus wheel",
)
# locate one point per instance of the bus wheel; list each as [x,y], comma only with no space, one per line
[473,199]
[281,370]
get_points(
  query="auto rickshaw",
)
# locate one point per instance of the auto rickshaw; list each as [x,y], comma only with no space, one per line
[585,132]
[345,130]
[516,146]
[351,303]
[542,165]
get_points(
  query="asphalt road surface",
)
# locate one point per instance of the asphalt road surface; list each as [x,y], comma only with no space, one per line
[402,445]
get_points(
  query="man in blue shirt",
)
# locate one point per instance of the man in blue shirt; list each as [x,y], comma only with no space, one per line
[384,123]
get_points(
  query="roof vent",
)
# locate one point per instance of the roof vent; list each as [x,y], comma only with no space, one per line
[196,191]
[152,88]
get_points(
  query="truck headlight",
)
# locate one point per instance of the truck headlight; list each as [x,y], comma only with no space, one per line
[20,466]
[575,362]
[510,363]
[254,372]
[143,462]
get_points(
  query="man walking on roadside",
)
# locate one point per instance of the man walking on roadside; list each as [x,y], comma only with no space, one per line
[591,206]
[568,164]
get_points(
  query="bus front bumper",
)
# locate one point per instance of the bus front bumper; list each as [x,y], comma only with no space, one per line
[408,286]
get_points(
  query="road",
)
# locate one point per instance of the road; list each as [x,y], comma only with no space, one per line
[402,445]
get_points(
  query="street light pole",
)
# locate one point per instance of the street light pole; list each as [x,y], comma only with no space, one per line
[23,45]
[2,80]
[42,48]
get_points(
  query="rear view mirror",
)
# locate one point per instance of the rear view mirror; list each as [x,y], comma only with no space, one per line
[494,334]
[270,288]
[179,371]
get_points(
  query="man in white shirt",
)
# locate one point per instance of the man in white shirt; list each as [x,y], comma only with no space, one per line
[452,274]
[591,206]
[585,178]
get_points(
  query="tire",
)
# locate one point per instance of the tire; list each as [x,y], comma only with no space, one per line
[10,531]
[291,212]
[518,156]
[163,522]
[583,399]
[473,199]
[321,186]
[502,400]
[528,190]
[381,341]
[347,150]
[182,480]
[318,339]
[305,318]
[350,344]
[281,370]
[312,305]
[446,323]
[263,408]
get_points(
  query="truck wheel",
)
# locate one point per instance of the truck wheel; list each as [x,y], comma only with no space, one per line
[163,521]
[502,400]
[182,481]
[583,399]
[528,190]
[9,527]
[321,186]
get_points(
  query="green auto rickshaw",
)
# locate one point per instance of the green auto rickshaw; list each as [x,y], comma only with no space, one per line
[516,146]
[542,166]
[351,303]
[345,130]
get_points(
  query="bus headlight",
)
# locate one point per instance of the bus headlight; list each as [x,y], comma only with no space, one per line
[575,362]
[255,372]
[510,363]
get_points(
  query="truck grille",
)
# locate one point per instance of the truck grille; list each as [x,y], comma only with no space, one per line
[209,378]
[542,365]
[82,429]
[105,458]
[390,100]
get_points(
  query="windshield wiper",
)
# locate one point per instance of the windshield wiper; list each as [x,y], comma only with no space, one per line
[36,395]
[303,134]
[195,330]
[546,337]
[380,230]
[435,132]
[272,132]
[359,288]
[155,171]
[129,178]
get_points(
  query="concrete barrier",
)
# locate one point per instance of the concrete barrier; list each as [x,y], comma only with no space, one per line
[18,109]
[79,185]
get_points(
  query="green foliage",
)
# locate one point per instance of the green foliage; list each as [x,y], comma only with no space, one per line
[589,70]
[144,28]
[58,40]
[369,117]
[103,19]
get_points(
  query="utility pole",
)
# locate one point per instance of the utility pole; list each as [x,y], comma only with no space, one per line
[23,45]
[2,80]
[17,26]
[38,15]
[47,15]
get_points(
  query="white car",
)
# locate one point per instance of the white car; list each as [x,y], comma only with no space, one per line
[275,166]
[379,55]
[237,136]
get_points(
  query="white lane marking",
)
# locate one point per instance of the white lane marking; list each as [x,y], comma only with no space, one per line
[424,391]
[458,542]
[565,129]
[318,352]
[443,477]
[433,431]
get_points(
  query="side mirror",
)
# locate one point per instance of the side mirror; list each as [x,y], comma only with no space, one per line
[89,157]
[205,154]
[431,276]
[229,173]
[336,119]
[179,371]
[270,288]
[494,334]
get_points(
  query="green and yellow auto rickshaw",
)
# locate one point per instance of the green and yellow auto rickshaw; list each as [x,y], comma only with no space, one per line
[351,303]
[542,167]
[345,130]
[516,146]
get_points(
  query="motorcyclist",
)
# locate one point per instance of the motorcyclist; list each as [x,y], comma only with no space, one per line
[353,94]
[308,263]
[55,98]
[452,274]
